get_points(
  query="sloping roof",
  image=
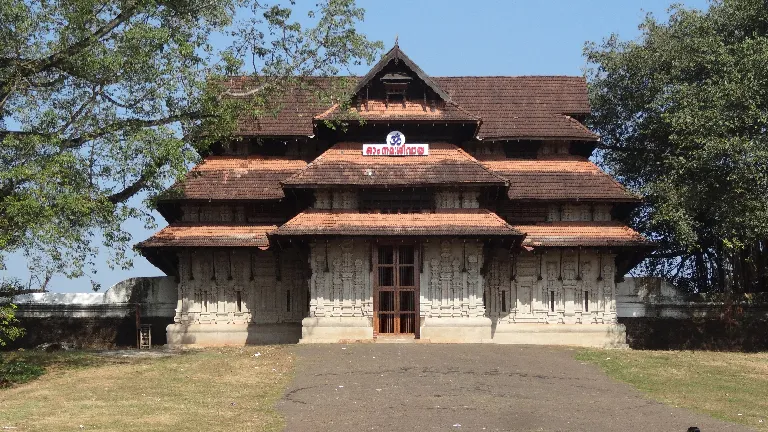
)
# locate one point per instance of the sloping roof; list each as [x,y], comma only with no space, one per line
[581,234]
[448,222]
[413,110]
[559,178]
[237,178]
[525,107]
[344,164]
[201,235]
[292,111]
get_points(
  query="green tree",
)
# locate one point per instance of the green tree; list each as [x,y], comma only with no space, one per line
[9,329]
[104,102]
[683,116]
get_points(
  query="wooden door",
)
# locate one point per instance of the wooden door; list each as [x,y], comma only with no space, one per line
[396,293]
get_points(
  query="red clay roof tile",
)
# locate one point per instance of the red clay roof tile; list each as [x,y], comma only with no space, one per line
[581,234]
[456,222]
[345,164]
[199,235]
[413,110]
[559,178]
[237,178]
[525,107]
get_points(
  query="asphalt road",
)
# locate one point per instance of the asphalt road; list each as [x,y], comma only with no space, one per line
[407,387]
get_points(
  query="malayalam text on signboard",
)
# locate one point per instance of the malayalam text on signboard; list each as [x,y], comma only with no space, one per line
[395,146]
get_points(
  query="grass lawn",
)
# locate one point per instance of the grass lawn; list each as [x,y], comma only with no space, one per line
[224,389]
[729,386]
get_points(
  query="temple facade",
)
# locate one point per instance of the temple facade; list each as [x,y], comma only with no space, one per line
[446,209]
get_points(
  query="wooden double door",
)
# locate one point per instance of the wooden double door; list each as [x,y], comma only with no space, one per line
[396,290]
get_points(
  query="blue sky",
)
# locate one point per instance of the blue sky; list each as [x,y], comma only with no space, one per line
[449,38]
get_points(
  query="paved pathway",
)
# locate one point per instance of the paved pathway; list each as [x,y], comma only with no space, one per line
[409,387]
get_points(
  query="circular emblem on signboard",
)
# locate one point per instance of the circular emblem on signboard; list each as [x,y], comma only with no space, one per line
[395,138]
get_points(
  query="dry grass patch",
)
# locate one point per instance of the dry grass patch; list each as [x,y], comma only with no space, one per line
[210,390]
[728,386]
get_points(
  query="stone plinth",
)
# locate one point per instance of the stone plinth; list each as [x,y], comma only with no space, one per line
[232,334]
[457,330]
[587,335]
[336,329]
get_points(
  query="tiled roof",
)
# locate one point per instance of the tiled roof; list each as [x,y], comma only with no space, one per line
[581,234]
[294,110]
[200,235]
[558,178]
[442,223]
[344,164]
[413,110]
[525,107]
[237,178]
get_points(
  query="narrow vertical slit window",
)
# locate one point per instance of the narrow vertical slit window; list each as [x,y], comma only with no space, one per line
[213,265]
[239,300]
[205,301]
[586,301]
[551,301]
[229,262]
[288,300]
[503,301]
[191,270]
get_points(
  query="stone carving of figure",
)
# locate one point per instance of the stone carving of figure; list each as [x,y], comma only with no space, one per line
[608,286]
[551,284]
[569,273]
[336,278]
[456,283]
[359,288]
[434,282]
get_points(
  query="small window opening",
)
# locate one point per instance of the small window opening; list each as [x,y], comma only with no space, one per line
[551,301]
[586,301]
[205,301]
[239,300]
[288,301]
[503,301]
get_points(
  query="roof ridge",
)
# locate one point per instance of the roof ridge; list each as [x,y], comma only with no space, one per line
[501,219]
[510,76]
[580,126]
[616,182]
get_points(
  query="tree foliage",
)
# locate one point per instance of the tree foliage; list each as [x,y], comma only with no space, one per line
[9,328]
[683,116]
[103,102]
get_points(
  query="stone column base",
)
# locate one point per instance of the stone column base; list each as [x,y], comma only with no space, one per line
[587,335]
[336,329]
[231,334]
[456,330]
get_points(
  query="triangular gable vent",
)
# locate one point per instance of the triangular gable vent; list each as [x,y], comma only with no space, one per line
[397,81]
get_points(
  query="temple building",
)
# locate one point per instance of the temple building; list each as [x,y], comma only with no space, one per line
[460,209]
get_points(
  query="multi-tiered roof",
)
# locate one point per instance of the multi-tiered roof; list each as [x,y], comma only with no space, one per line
[485,133]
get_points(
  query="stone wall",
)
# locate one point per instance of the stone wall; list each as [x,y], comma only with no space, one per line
[521,288]
[451,280]
[97,320]
[240,286]
[657,315]
[461,295]
[340,285]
